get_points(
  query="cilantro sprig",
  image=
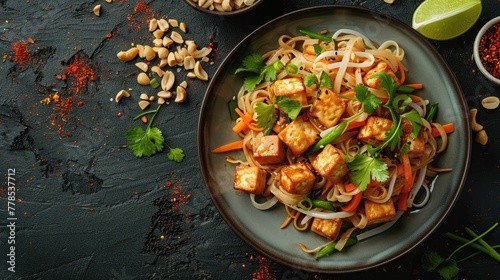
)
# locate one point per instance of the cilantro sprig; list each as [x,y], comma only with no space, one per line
[149,141]
[267,114]
[257,71]
[367,167]
[447,268]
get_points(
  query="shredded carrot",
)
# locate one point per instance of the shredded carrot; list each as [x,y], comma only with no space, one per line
[239,127]
[402,203]
[403,74]
[353,204]
[355,124]
[415,86]
[248,120]
[350,187]
[312,58]
[236,145]
[405,159]
[447,127]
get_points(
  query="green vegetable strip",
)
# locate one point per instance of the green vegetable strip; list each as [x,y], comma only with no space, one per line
[232,104]
[330,137]
[432,111]
[494,254]
[405,89]
[315,35]
[305,204]
[472,244]
[330,248]
[325,204]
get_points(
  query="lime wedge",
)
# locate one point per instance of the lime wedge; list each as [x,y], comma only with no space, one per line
[445,19]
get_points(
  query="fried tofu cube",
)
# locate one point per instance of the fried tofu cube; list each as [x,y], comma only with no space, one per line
[380,67]
[379,212]
[268,149]
[373,132]
[328,228]
[297,179]
[330,164]
[250,179]
[328,108]
[292,88]
[299,135]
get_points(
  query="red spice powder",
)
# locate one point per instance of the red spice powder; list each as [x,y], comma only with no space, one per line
[21,54]
[263,273]
[82,74]
[489,50]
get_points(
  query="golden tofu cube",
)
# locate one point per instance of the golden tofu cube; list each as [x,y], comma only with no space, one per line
[416,145]
[373,132]
[292,88]
[297,179]
[328,108]
[328,228]
[299,135]
[380,67]
[379,212]
[330,164]
[268,149]
[250,179]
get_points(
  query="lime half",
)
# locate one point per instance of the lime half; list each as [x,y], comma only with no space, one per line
[445,19]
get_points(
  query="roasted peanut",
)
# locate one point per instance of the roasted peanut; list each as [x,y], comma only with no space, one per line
[482,137]
[473,122]
[490,102]
[122,93]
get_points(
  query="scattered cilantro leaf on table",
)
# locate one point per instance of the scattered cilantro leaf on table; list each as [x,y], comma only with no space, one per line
[149,141]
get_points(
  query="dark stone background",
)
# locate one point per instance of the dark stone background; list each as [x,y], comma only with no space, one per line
[88,209]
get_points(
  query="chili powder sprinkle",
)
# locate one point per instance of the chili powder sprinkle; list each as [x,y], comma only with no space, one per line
[21,53]
[489,50]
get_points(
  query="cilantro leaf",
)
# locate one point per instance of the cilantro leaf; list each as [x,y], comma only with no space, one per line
[251,81]
[365,168]
[145,142]
[175,154]
[448,269]
[368,99]
[310,79]
[266,116]
[388,83]
[431,261]
[269,72]
[252,63]
[325,80]
[416,122]
[289,106]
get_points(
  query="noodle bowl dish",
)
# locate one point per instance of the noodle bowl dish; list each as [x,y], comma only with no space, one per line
[329,146]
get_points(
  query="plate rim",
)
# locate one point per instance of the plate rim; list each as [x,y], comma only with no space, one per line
[465,135]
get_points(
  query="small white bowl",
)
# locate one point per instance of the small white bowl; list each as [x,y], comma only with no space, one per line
[477,58]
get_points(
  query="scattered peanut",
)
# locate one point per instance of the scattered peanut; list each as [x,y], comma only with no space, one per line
[482,137]
[490,102]
[173,22]
[180,94]
[143,79]
[164,94]
[167,81]
[143,104]
[176,37]
[143,66]
[144,96]
[97,10]
[183,84]
[182,27]
[109,1]
[153,25]
[163,25]
[475,126]
[128,55]
[122,93]
[200,72]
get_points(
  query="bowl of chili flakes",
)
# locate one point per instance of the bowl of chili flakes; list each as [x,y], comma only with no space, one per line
[487,50]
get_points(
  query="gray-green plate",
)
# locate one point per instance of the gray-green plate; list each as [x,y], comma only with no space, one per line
[261,229]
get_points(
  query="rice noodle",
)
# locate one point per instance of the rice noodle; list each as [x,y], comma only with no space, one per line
[379,229]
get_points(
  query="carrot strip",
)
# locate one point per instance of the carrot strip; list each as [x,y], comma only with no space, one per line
[312,58]
[248,120]
[447,127]
[405,159]
[350,187]
[353,204]
[239,127]
[403,74]
[415,86]
[402,203]
[355,124]
[236,145]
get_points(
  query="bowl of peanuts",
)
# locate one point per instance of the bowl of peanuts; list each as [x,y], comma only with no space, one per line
[486,50]
[224,7]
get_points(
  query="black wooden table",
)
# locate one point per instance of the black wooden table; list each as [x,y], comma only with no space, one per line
[86,208]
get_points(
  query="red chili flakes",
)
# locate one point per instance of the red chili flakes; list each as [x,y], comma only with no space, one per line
[82,74]
[489,50]
[21,53]
[263,272]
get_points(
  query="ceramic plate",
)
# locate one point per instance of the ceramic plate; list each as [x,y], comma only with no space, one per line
[260,229]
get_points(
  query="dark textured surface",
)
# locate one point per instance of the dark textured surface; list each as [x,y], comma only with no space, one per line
[86,208]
